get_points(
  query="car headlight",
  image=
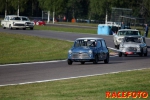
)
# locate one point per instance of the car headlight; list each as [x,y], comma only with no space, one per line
[90,51]
[70,52]
[138,46]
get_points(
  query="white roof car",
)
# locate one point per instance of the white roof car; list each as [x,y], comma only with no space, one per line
[17,22]
[122,33]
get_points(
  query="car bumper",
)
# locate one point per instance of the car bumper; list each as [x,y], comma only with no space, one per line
[29,26]
[80,57]
[79,60]
[18,26]
[130,51]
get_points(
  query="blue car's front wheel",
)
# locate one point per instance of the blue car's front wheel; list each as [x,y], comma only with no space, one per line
[69,62]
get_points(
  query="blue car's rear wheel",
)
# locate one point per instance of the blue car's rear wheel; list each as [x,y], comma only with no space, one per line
[106,61]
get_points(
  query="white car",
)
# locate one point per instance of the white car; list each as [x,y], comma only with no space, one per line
[17,22]
[122,33]
[133,45]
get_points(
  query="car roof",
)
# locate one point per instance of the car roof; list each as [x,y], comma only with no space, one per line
[128,30]
[94,38]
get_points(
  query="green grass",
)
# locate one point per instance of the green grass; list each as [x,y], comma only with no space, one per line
[89,88]
[67,29]
[16,48]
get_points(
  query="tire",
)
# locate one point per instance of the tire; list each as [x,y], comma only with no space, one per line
[69,62]
[120,54]
[4,27]
[141,54]
[95,60]
[31,28]
[82,62]
[106,61]
[117,46]
[24,28]
[145,54]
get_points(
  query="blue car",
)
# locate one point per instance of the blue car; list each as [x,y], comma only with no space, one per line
[88,50]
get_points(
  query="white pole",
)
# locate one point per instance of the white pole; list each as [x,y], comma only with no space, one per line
[18,8]
[42,14]
[53,17]
[106,18]
[6,9]
[48,16]
[5,13]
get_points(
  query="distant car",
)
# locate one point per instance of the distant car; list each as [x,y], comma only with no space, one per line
[122,33]
[133,45]
[39,22]
[17,22]
[88,50]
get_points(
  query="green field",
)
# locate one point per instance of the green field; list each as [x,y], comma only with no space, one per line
[67,29]
[88,88]
[16,48]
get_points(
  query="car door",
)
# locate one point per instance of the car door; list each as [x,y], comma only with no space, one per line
[104,50]
[99,49]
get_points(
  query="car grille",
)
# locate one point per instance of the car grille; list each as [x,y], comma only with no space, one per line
[80,56]
[132,49]
[28,23]
[18,24]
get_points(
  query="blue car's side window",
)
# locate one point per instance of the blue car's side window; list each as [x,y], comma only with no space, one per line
[99,44]
[103,43]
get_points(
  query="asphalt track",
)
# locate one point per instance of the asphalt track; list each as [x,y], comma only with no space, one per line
[53,70]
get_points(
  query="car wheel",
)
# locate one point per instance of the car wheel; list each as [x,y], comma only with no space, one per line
[106,61]
[82,62]
[117,46]
[4,27]
[69,62]
[145,54]
[95,60]
[141,54]
[24,28]
[120,54]
[31,28]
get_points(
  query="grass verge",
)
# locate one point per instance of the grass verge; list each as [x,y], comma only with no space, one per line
[89,88]
[67,29]
[16,48]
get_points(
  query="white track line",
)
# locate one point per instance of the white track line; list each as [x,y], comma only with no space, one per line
[68,78]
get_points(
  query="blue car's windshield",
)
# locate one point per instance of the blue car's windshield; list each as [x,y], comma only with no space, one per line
[87,43]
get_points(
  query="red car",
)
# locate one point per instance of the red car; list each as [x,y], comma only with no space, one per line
[39,22]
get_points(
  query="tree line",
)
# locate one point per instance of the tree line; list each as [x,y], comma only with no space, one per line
[85,9]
